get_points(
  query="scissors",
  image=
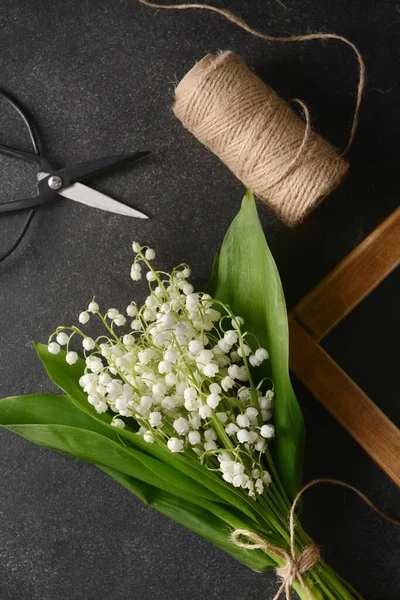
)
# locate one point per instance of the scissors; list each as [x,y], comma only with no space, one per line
[65,182]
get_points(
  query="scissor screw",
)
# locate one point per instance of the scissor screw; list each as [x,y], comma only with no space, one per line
[55,182]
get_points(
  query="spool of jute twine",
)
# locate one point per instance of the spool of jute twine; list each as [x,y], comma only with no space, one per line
[256,133]
[258,136]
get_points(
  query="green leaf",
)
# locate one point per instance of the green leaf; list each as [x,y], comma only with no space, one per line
[27,414]
[46,409]
[95,448]
[67,378]
[211,285]
[31,416]
[195,518]
[50,409]
[248,281]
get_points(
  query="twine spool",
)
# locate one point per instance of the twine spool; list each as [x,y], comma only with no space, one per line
[258,136]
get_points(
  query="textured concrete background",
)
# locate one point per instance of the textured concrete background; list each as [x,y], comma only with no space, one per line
[98,77]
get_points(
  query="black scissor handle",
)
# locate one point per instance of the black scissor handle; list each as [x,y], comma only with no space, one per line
[24,116]
[23,204]
[18,108]
[36,159]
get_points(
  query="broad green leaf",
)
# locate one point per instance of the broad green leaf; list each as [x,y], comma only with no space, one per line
[212,283]
[67,378]
[248,281]
[56,409]
[49,409]
[195,518]
[20,414]
[95,448]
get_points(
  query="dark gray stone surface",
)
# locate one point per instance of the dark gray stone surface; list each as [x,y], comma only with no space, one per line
[98,77]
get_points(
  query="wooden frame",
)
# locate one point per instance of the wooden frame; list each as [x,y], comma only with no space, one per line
[318,313]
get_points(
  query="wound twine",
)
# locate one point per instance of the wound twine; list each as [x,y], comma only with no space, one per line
[295,565]
[255,132]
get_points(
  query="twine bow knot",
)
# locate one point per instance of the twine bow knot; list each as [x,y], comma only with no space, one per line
[294,564]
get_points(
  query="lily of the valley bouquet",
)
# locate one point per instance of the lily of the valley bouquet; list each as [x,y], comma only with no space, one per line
[186,401]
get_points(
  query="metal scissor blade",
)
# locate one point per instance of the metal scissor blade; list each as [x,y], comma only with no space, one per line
[90,197]
[86,195]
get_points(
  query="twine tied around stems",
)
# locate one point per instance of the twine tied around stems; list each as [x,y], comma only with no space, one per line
[295,565]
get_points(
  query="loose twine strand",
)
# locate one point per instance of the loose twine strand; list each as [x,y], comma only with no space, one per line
[295,565]
[291,38]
